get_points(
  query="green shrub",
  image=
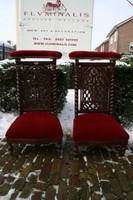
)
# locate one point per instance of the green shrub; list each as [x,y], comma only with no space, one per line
[8,97]
[68,69]
[123,95]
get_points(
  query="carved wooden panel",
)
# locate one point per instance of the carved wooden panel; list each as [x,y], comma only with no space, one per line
[36,87]
[96,84]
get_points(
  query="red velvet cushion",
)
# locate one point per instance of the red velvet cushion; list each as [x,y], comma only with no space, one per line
[98,127]
[94,55]
[35,125]
[35,54]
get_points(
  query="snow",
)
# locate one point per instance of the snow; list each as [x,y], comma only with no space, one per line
[67,115]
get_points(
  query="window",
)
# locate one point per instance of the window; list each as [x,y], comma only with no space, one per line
[131,46]
[115,36]
[111,40]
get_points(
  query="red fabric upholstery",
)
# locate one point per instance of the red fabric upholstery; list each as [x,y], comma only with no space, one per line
[98,127]
[35,54]
[94,55]
[35,125]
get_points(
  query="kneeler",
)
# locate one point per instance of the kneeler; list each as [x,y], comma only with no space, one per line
[37,122]
[94,91]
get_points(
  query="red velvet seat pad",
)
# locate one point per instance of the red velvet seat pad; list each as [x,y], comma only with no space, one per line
[35,125]
[94,55]
[35,54]
[98,127]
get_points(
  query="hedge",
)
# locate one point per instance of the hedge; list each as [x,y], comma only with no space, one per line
[123,95]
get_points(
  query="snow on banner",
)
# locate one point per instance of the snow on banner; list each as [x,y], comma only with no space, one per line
[62,25]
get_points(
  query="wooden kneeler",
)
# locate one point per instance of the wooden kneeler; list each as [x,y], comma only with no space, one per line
[94,91]
[37,122]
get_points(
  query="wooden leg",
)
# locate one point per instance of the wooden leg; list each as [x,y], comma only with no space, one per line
[75,149]
[10,148]
[123,149]
[58,146]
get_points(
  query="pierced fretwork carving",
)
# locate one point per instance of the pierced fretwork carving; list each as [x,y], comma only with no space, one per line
[36,86]
[36,89]
[96,84]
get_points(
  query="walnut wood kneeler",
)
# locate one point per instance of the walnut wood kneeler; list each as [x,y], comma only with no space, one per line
[94,91]
[37,122]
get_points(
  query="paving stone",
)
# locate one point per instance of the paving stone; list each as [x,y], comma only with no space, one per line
[14,196]
[62,193]
[130,196]
[18,184]
[82,163]
[64,172]
[101,171]
[40,173]
[65,158]
[129,172]
[118,167]
[37,196]
[25,171]
[74,167]
[56,166]
[9,165]
[4,159]
[117,188]
[74,181]
[110,169]
[92,171]
[50,193]
[39,161]
[91,161]
[40,186]
[10,179]
[123,181]
[73,194]
[18,149]
[27,190]
[1,179]
[54,179]
[49,157]
[32,178]
[85,194]
[94,182]
[19,163]
[45,172]
[4,189]
[83,175]
[96,196]
[107,190]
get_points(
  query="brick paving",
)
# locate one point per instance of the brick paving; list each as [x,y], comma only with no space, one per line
[38,172]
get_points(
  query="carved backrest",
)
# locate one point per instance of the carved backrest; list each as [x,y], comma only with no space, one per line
[36,86]
[94,81]
[36,80]
[94,87]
